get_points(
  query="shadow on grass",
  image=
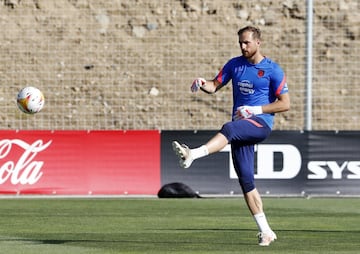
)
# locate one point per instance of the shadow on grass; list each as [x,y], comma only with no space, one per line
[163,241]
[254,230]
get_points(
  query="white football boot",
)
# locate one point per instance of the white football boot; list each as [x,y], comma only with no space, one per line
[184,154]
[265,238]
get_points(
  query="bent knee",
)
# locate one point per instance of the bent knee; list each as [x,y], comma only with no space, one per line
[247,186]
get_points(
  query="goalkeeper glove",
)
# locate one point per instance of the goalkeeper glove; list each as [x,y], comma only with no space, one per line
[197,83]
[247,112]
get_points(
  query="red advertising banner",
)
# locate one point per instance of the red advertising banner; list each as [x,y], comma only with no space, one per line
[79,162]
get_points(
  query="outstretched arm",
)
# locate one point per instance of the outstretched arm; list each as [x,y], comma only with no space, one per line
[211,86]
[208,86]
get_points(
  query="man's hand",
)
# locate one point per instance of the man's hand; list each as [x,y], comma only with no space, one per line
[197,83]
[247,112]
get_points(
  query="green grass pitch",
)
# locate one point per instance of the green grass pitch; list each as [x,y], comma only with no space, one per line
[151,225]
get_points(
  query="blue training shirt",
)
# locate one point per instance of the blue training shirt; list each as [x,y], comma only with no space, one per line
[254,84]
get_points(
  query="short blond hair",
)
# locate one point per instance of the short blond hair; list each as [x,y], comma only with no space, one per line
[255,31]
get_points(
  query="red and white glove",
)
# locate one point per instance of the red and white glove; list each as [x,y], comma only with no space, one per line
[247,112]
[197,83]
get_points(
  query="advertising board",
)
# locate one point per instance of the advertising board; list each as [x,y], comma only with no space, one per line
[79,162]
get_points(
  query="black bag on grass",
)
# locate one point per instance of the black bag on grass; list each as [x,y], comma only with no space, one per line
[177,190]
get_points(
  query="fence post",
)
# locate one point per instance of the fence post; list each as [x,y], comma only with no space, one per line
[309,41]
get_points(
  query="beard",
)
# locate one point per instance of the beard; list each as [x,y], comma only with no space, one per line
[248,54]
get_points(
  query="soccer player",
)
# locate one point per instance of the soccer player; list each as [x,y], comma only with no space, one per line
[259,91]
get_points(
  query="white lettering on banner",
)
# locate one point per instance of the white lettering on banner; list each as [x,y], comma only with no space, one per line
[25,170]
[354,168]
[292,164]
[319,169]
[265,161]
[227,149]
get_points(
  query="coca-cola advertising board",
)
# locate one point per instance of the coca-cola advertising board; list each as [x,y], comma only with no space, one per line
[79,162]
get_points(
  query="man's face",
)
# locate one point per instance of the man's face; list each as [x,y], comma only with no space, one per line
[248,45]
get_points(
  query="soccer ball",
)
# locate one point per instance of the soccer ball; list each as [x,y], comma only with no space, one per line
[30,100]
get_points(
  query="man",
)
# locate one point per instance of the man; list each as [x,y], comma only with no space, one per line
[259,91]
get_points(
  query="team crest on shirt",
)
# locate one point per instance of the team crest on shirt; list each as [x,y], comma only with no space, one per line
[261,73]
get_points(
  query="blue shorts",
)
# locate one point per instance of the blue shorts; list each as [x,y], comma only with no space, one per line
[243,135]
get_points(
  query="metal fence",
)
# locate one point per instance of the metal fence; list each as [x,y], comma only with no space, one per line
[129,64]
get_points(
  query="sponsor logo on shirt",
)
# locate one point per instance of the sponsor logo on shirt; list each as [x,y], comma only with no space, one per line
[246,87]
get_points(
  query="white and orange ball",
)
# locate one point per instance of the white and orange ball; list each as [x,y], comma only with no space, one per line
[30,100]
